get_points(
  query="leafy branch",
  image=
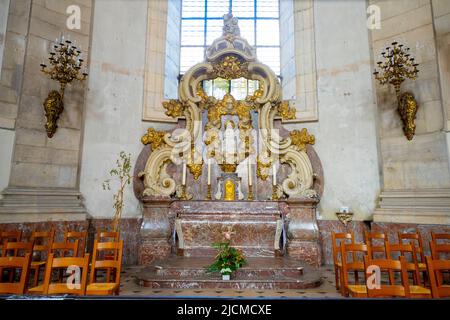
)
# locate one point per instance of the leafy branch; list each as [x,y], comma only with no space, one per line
[120,174]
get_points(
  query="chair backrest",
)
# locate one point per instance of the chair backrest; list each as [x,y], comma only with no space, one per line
[65,249]
[408,251]
[108,236]
[355,263]
[10,236]
[116,263]
[435,237]
[336,239]
[371,239]
[439,249]
[22,263]
[392,289]
[75,264]
[435,267]
[43,241]
[17,249]
[81,236]
[416,240]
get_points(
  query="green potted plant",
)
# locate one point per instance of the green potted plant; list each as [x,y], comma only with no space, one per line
[121,174]
[228,259]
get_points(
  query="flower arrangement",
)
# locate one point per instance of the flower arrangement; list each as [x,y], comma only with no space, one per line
[228,259]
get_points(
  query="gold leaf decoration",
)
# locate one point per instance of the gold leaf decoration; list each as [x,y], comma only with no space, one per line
[195,169]
[407,107]
[153,137]
[230,67]
[301,138]
[286,112]
[174,108]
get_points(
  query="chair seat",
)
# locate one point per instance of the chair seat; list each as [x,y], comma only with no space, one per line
[419,290]
[338,264]
[37,289]
[38,263]
[422,266]
[357,290]
[101,288]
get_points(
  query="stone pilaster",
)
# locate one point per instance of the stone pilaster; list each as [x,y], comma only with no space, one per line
[428,206]
[41,204]
[155,231]
[303,232]
[44,175]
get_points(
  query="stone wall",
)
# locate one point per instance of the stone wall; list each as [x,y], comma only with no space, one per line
[114,102]
[346,132]
[40,165]
[441,19]
[415,174]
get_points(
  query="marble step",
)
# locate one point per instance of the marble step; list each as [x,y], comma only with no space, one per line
[259,273]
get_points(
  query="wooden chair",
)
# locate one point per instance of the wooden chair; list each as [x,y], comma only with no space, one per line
[392,289]
[336,239]
[404,250]
[109,287]
[108,236]
[438,290]
[440,251]
[15,249]
[50,287]
[81,236]
[43,242]
[416,240]
[65,249]
[355,290]
[22,263]
[371,238]
[435,237]
[9,236]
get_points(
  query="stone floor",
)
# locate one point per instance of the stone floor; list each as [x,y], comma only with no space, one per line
[130,287]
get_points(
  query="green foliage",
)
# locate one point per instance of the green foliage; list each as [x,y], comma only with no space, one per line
[227,260]
[121,174]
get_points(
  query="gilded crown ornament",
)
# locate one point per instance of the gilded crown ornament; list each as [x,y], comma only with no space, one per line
[398,66]
[65,65]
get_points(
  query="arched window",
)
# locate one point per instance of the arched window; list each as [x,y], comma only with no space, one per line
[282,31]
[201,24]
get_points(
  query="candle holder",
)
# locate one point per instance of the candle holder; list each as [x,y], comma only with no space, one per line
[250,192]
[65,66]
[275,195]
[184,195]
[397,67]
[208,193]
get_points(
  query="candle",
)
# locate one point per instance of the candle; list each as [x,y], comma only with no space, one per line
[209,171]
[274,171]
[249,172]
[183,180]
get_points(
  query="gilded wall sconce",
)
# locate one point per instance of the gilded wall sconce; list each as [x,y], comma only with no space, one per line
[344,217]
[65,65]
[397,67]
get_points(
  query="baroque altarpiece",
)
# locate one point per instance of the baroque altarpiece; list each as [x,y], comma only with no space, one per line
[229,165]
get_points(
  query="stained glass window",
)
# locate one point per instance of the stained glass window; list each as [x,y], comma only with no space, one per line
[202,21]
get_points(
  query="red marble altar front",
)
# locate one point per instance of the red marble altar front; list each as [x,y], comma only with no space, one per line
[260,228]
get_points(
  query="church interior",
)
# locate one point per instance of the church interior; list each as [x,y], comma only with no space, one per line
[225,148]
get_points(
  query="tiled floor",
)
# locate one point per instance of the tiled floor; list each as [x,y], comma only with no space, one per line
[129,287]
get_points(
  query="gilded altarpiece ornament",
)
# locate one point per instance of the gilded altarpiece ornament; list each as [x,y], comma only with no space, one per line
[209,121]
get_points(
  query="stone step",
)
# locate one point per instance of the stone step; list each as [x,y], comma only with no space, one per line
[259,273]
